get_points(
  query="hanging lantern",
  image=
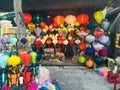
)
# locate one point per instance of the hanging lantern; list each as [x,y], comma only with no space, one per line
[23,40]
[98,15]
[83,19]
[97,46]
[90,38]
[37,18]
[38,43]
[65,42]
[104,52]
[55,41]
[105,24]
[82,46]
[90,51]
[31,27]
[105,40]
[70,19]
[98,33]
[71,42]
[42,24]
[89,63]
[77,24]
[77,41]
[27,18]
[37,31]
[48,41]
[59,19]
[48,20]
[60,41]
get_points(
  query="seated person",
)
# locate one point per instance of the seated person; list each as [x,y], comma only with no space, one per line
[60,55]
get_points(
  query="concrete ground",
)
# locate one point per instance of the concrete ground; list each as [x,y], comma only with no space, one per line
[79,78]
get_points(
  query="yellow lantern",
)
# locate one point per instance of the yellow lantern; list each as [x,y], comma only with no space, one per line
[70,19]
[76,24]
[31,27]
[98,15]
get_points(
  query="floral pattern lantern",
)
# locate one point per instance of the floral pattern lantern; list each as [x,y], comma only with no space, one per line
[83,19]
[59,19]
[98,33]
[70,19]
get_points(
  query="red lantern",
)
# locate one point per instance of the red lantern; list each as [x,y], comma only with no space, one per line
[22,52]
[38,44]
[60,41]
[63,36]
[42,24]
[82,46]
[71,42]
[26,59]
[27,18]
[59,19]
[98,33]
[49,41]
[83,19]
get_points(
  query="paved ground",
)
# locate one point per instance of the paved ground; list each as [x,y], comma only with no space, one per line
[79,78]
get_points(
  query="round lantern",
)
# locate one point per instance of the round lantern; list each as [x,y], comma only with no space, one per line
[98,60]
[37,18]
[31,27]
[98,33]
[77,41]
[105,40]
[65,42]
[105,24]
[59,19]
[90,38]
[48,20]
[81,59]
[71,42]
[83,19]
[104,52]
[38,43]
[82,46]
[90,51]
[97,46]
[55,41]
[60,41]
[42,24]
[49,41]
[27,18]
[70,19]
[89,63]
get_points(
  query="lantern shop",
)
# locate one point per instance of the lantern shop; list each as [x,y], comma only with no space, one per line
[80,37]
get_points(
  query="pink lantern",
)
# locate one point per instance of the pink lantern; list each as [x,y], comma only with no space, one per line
[70,19]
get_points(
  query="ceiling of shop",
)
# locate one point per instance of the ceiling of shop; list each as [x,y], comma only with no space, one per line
[32,5]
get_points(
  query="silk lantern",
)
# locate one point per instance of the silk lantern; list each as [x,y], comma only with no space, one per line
[23,40]
[105,40]
[105,24]
[37,18]
[81,59]
[65,42]
[59,19]
[83,19]
[31,27]
[90,38]
[48,41]
[104,52]
[33,57]
[37,43]
[98,16]
[42,24]
[70,19]
[48,20]
[60,41]
[71,42]
[26,59]
[27,18]
[82,46]
[77,41]
[90,51]
[97,46]
[37,31]
[98,60]
[89,63]
[98,33]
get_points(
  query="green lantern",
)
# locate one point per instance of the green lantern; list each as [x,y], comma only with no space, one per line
[37,18]
[33,57]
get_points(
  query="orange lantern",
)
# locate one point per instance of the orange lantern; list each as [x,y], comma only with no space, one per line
[83,19]
[49,41]
[27,18]
[42,24]
[60,41]
[63,36]
[70,19]
[59,19]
